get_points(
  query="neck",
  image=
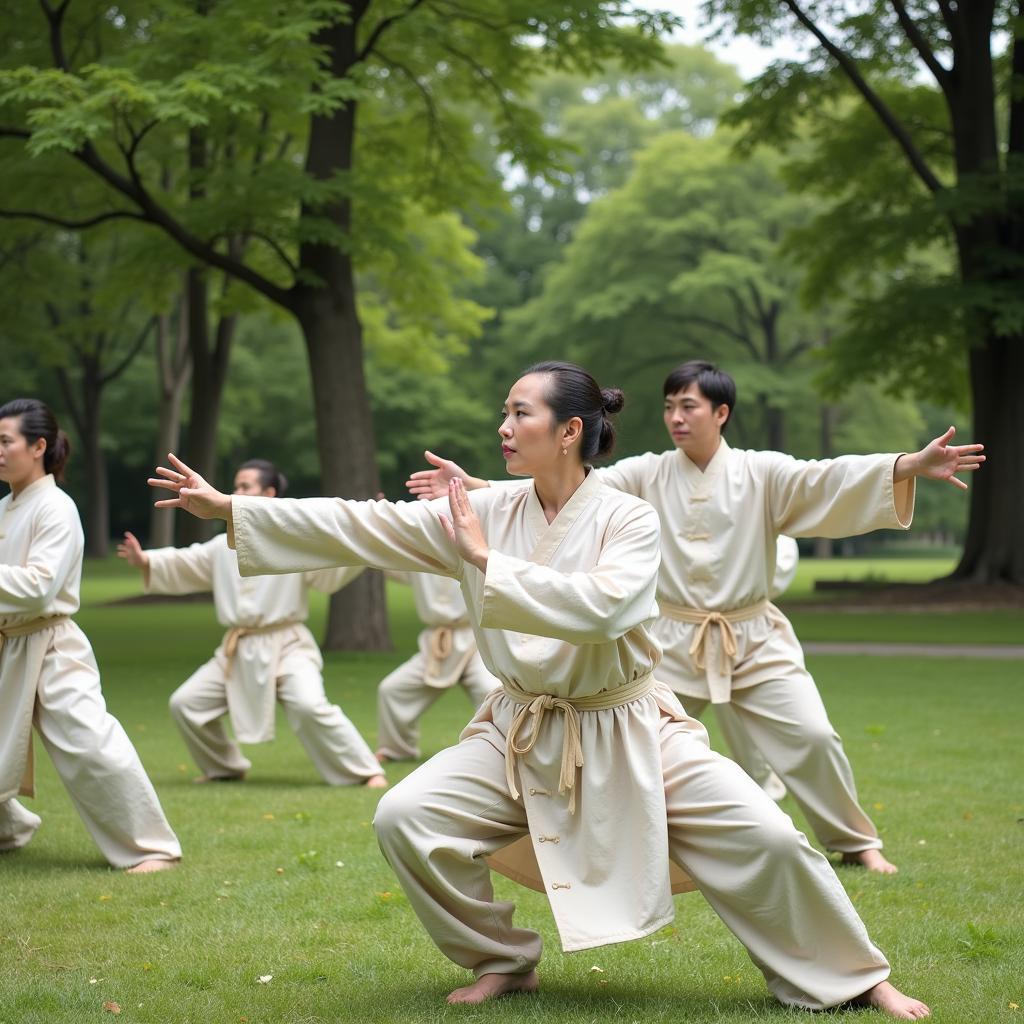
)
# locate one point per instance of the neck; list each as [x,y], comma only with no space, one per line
[556,487]
[17,486]
[700,457]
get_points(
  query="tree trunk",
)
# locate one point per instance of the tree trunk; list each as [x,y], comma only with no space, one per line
[330,324]
[174,369]
[209,375]
[357,619]
[97,515]
[994,547]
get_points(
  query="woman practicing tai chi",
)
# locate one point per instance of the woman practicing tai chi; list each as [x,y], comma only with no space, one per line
[724,643]
[48,671]
[447,655]
[568,775]
[267,654]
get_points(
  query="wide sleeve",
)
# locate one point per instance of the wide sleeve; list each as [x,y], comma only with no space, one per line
[787,557]
[585,607]
[52,552]
[626,475]
[836,497]
[280,535]
[328,581]
[181,570]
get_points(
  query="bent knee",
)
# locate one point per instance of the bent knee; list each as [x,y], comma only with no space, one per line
[397,814]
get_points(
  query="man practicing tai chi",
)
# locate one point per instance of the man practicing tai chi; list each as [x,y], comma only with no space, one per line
[48,673]
[267,655]
[724,642]
[447,655]
[581,775]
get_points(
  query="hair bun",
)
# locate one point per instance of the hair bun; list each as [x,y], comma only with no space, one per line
[613,399]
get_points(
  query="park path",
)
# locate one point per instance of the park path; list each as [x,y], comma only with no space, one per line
[1001,652]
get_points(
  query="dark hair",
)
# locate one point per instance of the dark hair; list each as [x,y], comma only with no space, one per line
[571,391]
[714,384]
[270,475]
[37,421]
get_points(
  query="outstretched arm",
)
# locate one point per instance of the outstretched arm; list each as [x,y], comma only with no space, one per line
[940,460]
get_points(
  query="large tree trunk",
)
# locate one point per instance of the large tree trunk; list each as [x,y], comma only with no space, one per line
[330,324]
[358,614]
[174,369]
[994,548]
[97,514]
[209,375]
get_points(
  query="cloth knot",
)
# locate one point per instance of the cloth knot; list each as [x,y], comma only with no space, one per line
[698,648]
[572,745]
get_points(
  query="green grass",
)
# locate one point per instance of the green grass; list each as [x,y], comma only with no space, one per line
[935,745]
[889,624]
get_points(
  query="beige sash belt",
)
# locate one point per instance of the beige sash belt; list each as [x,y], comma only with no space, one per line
[236,633]
[539,704]
[439,649]
[720,682]
[28,778]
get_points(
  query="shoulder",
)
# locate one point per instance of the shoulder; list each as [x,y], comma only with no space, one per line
[623,509]
[57,506]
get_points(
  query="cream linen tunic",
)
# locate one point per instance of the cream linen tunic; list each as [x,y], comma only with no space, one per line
[40,572]
[562,610]
[249,603]
[719,549]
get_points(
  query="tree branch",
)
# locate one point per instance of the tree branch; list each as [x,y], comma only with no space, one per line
[151,211]
[71,225]
[885,115]
[132,352]
[923,47]
[433,120]
[382,27]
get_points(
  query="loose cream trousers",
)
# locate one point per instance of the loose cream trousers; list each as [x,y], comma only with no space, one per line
[93,755]
[787,722]
[403,698]
[338,752]
[778,895]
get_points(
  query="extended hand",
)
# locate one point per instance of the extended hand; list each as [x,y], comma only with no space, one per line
[940,460]
[464,528]
[433,483]
[192,492]
[131,551]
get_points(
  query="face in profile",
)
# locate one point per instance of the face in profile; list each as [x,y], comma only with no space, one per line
[18,458]
[529,440]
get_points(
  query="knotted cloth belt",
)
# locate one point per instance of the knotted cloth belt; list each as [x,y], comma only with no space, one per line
[236,633]
[28,778]
[539,704]
[720,683]
[439,647]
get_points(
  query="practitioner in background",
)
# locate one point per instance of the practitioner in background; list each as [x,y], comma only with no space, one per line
[447,656]
[267,655]
[48,673]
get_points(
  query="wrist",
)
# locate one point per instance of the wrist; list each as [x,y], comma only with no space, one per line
[907,466]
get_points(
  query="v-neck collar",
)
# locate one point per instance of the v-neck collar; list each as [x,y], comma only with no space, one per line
[36,487]
[702,481]
[550,535]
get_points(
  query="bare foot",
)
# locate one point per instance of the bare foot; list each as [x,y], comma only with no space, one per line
[490,986]
[872,860]
[893,1002]
[201,780]
[146,867]
[376,782]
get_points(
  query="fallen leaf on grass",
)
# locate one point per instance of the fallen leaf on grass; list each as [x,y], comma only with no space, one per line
[103,899]
[112,1008]
[266,817]
[385,896]
[264,979]
[596,970]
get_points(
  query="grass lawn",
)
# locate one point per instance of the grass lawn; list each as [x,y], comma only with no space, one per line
[282,876]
